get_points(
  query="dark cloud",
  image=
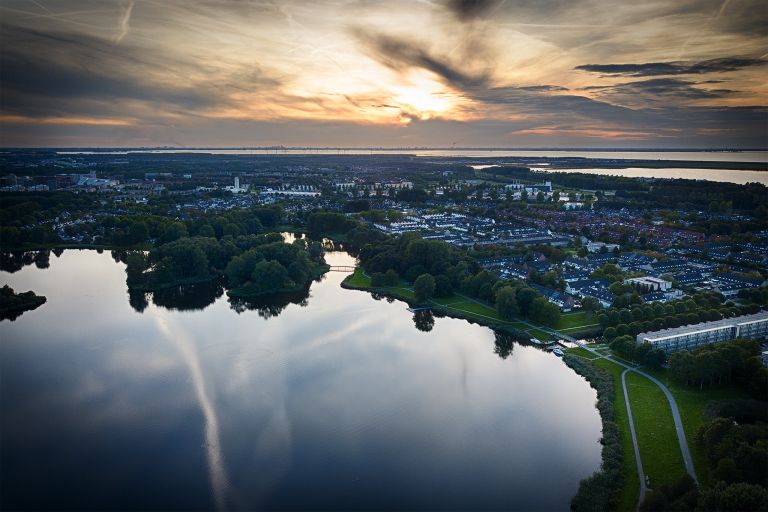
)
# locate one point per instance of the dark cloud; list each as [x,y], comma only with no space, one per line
[641,106]
[657,89]
[543,88]
[674,68]
[466,10]
[399,54]
[52,74]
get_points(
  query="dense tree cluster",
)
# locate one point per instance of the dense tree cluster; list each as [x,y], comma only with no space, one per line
[644,353]
[341,227]
[275,266]
[253,264]
[736,361]
[737,452]
[515,299]
[412,258]
[19,211]
[701,307]
[755,295]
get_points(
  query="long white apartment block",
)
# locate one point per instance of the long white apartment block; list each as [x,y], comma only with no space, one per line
[689,337]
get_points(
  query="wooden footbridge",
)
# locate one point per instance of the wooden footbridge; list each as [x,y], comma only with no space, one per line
[341,268]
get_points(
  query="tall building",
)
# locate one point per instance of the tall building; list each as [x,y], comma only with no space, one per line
[689,337]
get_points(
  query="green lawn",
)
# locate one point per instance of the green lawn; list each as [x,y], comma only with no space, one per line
[473,307]
[358,279]
[577,319]
[631,491]
[617,357]
[578,351]
[540,335]
[655,428]
[691,401]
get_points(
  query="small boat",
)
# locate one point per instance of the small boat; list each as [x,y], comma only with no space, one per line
[558,352]
[535,341]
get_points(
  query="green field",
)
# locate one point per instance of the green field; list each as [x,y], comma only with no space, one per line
[575,320]
[655,428]
[692,401]
[358,279]
[578,351]
[631,491]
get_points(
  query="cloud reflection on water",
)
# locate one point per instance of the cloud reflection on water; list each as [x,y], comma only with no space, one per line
[185,345]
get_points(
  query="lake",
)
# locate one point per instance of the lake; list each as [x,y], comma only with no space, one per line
[721,175]
[331,400]
[625,154]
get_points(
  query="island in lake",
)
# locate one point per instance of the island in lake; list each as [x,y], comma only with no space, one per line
[13,305]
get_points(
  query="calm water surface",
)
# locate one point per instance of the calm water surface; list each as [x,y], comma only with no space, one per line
[704,156]
[721,175]
[335,402]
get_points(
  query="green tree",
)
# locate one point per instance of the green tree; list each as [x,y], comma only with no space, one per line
[506,303]
[173,231]
[735,497]
[137,233]
[269,276]
[391,278]
[525,298]
[424,287]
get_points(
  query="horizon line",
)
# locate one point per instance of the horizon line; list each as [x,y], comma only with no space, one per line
[390,148]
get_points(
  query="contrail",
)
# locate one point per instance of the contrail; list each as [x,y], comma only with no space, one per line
[711,19]
[124,19]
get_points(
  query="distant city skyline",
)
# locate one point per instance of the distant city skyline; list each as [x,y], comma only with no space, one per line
[337,73]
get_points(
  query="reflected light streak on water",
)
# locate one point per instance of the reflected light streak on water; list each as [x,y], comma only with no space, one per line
[186,347]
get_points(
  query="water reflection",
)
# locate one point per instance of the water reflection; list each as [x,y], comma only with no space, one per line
[217,472]
[503,344]
[190,297]
[337,404]
[424,320]
[269,306]
[16,260]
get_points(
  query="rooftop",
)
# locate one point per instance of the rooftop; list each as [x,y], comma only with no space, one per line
[704,326]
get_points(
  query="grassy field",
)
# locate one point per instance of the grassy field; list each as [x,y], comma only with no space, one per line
[655,428]
[691,401]
[578,351]
[631,491]
[358,279]
[574,320]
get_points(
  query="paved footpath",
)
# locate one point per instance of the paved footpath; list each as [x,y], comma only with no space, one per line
[635,446]
[686,453]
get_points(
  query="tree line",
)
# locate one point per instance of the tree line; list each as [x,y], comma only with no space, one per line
[438,269]
[736,361]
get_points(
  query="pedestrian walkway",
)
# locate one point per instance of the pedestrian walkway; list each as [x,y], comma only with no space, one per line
[682,441]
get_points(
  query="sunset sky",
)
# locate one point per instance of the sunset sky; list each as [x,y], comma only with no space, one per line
[507,73]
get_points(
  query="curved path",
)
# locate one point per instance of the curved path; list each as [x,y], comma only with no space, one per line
[635,446]
[685,452]
[678,425]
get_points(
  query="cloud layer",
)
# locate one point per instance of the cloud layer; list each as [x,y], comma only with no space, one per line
[477,73]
